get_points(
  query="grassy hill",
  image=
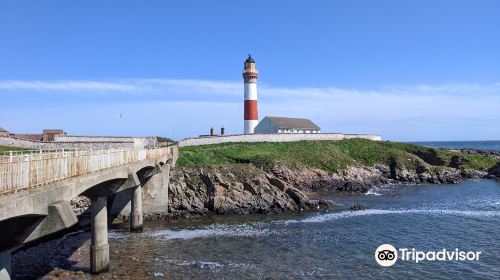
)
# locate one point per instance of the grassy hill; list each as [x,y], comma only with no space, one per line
[330,156]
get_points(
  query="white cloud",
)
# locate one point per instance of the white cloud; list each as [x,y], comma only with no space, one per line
[67,86]
[415,112]
[232,88]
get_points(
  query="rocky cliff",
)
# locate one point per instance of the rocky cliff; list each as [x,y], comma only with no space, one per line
[236,189]
[245,188]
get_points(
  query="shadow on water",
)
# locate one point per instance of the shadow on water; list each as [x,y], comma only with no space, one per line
[67,250]
[63,249]
[54,251]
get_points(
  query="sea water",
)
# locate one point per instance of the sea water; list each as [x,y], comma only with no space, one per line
[485,145]
[336,244]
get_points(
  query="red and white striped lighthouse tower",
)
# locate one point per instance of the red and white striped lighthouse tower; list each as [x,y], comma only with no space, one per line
[251,115]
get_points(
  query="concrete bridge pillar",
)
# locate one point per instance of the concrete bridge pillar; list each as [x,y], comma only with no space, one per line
[165,173]
[99,246]
[5,258]
[136,210]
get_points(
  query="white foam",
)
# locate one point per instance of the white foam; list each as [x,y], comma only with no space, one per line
[242,230]
[373,191]
[258,229]
[113,234]
[209,264]
[485,202]
[349,214]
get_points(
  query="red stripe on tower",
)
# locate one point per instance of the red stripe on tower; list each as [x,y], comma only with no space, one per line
[251,111]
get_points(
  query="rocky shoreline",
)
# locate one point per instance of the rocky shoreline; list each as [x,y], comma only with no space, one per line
[244,188]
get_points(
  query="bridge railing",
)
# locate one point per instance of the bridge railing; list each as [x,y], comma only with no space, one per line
[19,172]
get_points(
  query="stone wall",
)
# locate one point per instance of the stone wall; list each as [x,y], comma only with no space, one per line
[33,137]
[80,143]
[137,142]
[274,138]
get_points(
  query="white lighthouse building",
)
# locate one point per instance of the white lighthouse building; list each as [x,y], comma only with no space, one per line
[251,112]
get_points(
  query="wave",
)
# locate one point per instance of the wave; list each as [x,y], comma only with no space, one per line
[242,230]
[349,214]
[259,229]
[200,264]
[119,234]
[373,191]
[208,264]
[485,202]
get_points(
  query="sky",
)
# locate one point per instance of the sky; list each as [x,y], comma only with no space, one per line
[407,70]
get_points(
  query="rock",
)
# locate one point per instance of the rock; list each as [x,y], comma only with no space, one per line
[474,174]
[358,206]
[495,171]
[457,160]
[232,190]
[282,186]
[430,156]
[299,197]
[322,204]
[80,205]
[485,153]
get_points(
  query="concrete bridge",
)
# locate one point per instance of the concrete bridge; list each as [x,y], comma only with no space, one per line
[36,190]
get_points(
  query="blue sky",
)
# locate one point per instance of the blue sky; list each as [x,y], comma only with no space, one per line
[408,70]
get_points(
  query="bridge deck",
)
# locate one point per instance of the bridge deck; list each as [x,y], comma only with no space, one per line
[18,172]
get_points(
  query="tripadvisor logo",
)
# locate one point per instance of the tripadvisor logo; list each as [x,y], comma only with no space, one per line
[387,255]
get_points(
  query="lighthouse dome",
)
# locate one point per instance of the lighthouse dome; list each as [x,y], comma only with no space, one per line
[249,59]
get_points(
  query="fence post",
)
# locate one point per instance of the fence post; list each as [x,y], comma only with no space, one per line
[10,156]
[26,178]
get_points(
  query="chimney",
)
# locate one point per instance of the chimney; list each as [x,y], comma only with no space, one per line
[222,131]
[211,131]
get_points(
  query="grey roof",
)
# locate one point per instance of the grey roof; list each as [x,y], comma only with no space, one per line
[293,123]
[2,130]
[51,130]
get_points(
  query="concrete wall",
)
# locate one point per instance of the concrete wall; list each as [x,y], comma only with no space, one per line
[33,137]
[154,197]
[274,138]
[137,142]
[82,143]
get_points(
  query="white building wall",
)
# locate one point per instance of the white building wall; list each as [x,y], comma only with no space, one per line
[274,138]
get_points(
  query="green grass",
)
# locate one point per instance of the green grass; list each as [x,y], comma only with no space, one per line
[6,149]
[330,156]
[477,162]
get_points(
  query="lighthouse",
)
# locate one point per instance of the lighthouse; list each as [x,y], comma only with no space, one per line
[251,113]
